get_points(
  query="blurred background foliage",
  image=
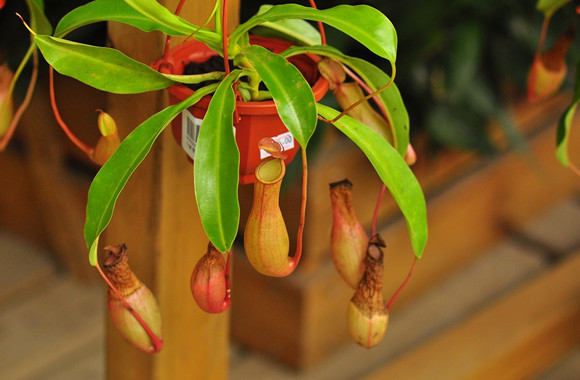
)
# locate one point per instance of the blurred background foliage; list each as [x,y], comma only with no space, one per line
[460,63]
[15,39]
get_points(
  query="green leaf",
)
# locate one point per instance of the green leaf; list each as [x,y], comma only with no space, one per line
[563,134]
[291,92]
[298,31]
[40,4]
[565,124]
[115,173]
[459,127]
[38,21]
[156,12]
[390,98]
[196,78]
[550,6]
[216,168]
[394,172]
[102,68]
[363,23]
[110,10]
[375,78]
[464,59]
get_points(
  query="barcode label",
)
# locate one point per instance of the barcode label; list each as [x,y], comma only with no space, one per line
[190,126]
[189,132]
[285,139]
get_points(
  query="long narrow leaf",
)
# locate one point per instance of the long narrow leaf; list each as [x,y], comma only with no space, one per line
[298,31]
[216,168]
[102,68]
[394,172]
[162,16]
[291,93]
[195,78]
[40,24]
[363,23]
[110,10]
[115,173]
[375,78]
[550,6]
[391,99]
[563,134]
[565,123]
[38,21]
[40,4]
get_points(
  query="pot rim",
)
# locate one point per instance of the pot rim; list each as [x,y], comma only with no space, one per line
[319,88]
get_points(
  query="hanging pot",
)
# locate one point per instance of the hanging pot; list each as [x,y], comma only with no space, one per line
[257,119]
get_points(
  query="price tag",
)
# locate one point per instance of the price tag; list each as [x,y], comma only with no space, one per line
[190,132]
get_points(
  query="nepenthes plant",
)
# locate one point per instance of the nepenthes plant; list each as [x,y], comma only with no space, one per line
[371,113]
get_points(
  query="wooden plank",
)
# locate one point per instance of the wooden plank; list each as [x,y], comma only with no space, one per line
[46,178]
[18,206]
[266,312]
[566,369]
[24,268]
[478,211]
[59,206]
[86,363]
[474,286]
[157,217]
[54,323]
[555,230]
[499,270]
[518,336]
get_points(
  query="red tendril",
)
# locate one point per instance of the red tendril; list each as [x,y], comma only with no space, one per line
[81,145]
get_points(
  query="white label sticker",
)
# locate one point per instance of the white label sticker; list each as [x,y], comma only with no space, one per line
[285,139]
[189,132]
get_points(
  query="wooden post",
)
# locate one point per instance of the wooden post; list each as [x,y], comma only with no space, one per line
[157,217]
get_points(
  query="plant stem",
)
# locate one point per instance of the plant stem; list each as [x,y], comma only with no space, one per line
[395,295]
[196,78]
[300,233]
[538,56]
[227,276]
[82,146]
[377,207]
[177,12]
[18,114]
[157,343]
[168,38]
[224,22]
[320,25]
[574,169]
[179,7]
[363,84]
[369,96]
[543,34]
[224,30]
[376,100]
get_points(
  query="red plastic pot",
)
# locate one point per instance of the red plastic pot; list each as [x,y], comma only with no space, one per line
[257,119]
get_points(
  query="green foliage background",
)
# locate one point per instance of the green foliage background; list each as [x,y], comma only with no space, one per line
[460,62]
